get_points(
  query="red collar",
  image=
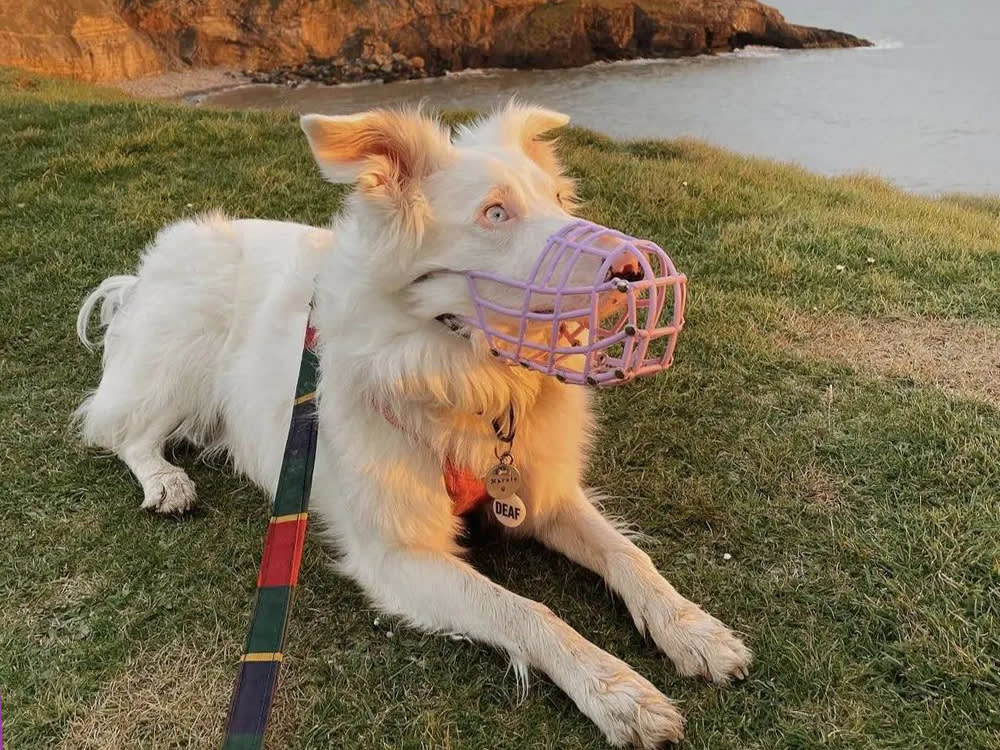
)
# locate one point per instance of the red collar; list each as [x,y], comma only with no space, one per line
[465,488]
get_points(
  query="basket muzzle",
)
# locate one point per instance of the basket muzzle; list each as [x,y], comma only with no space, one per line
[598,308]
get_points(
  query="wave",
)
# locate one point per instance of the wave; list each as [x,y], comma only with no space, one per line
[754,51]
[885,44]
[346,84]
[472,73]
[635,61]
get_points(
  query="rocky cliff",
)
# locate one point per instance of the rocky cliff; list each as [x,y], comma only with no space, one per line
[338,39]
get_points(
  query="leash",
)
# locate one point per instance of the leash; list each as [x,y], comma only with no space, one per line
[253,693]
[257,678]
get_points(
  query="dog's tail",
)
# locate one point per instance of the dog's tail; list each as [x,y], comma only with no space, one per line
[112,294]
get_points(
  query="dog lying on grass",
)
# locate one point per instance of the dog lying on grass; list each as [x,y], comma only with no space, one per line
[203,344]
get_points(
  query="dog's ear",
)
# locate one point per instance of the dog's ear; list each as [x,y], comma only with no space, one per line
[386,152]
[522,126]
[526,126]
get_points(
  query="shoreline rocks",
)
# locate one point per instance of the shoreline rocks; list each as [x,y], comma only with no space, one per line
[385,67]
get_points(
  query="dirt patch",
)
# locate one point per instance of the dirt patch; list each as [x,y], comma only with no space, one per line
[188,84]
[24,84]
[960,357]
[819,489]
[176,697]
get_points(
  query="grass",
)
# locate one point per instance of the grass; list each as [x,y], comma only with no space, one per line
[859,504]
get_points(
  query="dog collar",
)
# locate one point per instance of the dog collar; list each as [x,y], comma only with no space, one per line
[466,490]
[453,324]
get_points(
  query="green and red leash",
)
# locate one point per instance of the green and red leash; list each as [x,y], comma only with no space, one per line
[263,652]
[257,679]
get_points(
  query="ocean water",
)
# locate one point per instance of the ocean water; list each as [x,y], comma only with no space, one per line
[921,108]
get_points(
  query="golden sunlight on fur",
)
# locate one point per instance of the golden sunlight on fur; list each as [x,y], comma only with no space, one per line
[522,127]
[206,349]
[381,147]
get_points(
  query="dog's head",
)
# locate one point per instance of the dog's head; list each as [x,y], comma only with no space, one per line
[478,228]
[486,201]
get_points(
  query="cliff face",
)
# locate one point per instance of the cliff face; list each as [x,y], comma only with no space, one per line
[86,39]
[109,39]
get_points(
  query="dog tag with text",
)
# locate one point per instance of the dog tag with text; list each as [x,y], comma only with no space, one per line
[510,511]
[502,481]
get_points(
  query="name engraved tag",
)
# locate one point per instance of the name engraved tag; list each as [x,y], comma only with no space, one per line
[503,481]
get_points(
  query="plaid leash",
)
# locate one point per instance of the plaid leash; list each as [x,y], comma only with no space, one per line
[279,567]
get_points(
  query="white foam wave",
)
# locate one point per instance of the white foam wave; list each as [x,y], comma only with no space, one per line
[344,85]
[754,51]
[885,44]
[751,51]
[635,61]
[475,73]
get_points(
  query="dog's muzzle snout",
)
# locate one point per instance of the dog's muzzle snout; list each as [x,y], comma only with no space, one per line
[599,307]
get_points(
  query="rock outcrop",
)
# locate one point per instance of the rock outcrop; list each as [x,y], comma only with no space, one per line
[88,39]
[349,39]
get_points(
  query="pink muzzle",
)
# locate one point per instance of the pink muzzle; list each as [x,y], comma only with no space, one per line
[599,308]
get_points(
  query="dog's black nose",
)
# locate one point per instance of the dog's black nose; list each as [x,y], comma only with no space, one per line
[626,266]
[627,272]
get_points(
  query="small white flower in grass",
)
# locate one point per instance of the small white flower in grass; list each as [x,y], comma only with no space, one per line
[727,557]
[190,205]
[684,184]
[388,634]
[841,268]
[376,621]
[870,260]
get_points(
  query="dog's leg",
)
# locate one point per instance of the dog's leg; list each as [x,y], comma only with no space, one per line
[166,488]
[697,643]
[440,592]
[114,418]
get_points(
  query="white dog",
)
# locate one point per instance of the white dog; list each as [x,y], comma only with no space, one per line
[203,344]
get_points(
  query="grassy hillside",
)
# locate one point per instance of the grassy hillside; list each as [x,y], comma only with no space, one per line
[831,423]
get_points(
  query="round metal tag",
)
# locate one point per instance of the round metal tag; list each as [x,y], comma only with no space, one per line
[502,481]
[510,512]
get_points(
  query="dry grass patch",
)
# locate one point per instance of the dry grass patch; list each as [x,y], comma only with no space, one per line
[960,357]
[818,488]
[177,697]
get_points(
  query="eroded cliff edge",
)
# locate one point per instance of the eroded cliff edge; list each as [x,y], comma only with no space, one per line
[101,40]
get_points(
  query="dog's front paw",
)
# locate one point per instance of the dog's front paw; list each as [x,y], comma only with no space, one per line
[698,644]
[630,710]
[170,493]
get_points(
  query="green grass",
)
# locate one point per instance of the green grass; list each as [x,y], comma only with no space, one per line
[861,509]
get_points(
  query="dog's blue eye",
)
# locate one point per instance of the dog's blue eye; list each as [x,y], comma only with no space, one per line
[496,214]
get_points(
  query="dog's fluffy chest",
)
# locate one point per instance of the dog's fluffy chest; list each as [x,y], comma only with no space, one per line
[375,458]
